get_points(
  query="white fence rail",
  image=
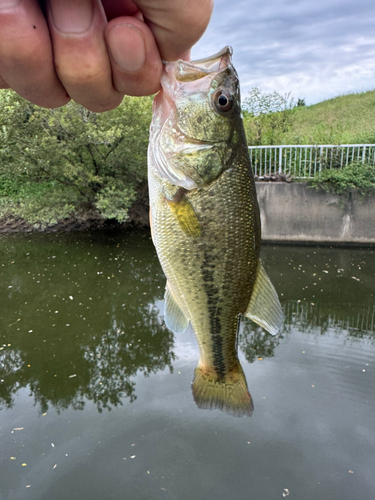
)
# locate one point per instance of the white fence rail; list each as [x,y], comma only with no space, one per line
[303,162]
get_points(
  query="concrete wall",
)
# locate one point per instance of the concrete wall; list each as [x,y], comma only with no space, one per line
[296,213]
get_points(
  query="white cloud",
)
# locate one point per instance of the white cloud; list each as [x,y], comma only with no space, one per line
[316,50]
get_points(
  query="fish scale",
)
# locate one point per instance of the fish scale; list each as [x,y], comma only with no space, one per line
[206,225]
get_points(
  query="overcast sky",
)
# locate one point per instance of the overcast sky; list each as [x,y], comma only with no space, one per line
[314,49]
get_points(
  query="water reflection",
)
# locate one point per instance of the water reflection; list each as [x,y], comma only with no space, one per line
[80,318]
[357,321]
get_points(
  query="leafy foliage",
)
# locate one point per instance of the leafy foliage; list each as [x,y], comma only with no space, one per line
[267,116]
[43,202]
[355,175]
[56,162]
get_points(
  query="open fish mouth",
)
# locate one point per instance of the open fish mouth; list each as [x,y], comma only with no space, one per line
[180,72]
[187,71]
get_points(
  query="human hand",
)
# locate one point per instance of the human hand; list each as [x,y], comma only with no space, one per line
[72,51]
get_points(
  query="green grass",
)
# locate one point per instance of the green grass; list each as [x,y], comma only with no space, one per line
[347,119]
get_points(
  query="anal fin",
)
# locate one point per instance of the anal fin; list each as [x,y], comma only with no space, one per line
[174,317]
[264,307]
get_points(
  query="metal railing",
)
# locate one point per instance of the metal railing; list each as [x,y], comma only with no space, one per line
[303,162]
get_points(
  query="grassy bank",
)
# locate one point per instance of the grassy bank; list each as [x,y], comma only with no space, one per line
[347,119]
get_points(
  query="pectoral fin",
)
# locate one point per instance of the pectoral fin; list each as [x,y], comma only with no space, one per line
[264,307]
[174,316]
[184,212]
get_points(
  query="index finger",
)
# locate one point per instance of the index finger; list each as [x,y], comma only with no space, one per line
[26,59]
[176,24]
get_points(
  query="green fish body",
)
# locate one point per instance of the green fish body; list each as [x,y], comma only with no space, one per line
[206,225]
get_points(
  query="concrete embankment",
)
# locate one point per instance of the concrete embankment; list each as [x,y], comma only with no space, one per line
[290,213]
[295,213]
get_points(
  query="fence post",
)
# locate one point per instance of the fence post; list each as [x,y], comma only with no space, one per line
[280,159]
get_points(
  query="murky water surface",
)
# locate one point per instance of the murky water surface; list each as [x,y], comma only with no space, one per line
[95,397]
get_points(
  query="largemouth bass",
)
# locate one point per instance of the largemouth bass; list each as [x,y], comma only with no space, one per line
[205,223]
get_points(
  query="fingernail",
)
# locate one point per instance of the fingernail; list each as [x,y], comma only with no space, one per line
[127,47]
[72,16]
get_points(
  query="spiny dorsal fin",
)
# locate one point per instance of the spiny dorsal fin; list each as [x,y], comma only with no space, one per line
[174,317]
[264,307]
[184,212]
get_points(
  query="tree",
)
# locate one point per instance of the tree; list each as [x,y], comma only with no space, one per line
[267,116]
[58,162]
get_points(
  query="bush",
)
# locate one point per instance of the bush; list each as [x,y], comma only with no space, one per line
[60,162]
[355,175]
[267,116]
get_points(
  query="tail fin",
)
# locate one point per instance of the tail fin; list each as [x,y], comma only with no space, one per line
[229,394]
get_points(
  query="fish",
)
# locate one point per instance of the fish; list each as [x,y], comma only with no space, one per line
[205,223]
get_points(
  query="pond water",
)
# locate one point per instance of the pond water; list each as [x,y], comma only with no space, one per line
[95,396]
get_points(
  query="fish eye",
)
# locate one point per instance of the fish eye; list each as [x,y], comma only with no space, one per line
[223,101]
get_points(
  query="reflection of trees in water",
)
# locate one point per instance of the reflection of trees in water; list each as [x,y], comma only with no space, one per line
[11,364]
[101,367]
[78,314]
[358,321]
[120,355]
[114,329]
[255,342]
[102,371]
